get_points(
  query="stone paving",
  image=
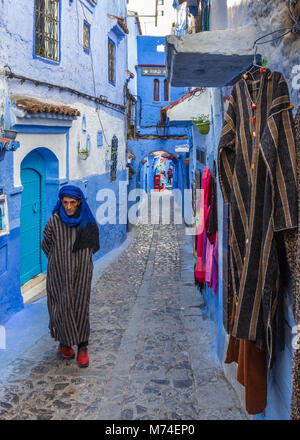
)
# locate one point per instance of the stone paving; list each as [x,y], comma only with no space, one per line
[151,354]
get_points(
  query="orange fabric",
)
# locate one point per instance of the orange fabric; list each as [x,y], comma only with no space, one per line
[251,373]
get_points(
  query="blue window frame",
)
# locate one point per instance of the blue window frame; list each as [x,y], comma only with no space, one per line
[86,36]
[99,139]
[111,62]
[47,30]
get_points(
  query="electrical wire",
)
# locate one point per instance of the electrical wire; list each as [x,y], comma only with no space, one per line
[93,72]
[287,30]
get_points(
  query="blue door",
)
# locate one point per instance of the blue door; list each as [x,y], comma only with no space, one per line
[30,229]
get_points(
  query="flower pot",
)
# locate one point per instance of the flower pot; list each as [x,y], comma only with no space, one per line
[83,155]
[187,161]
[203,127]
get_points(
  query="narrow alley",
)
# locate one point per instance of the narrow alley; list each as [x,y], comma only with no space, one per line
[151,354]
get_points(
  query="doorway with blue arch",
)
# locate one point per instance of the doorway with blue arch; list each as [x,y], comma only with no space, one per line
[40,181]
[159,171]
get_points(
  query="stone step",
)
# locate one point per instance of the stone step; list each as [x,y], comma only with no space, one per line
[34,289]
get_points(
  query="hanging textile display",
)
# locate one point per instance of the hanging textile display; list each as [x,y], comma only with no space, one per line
[206,239]
[257,173]
[200,268]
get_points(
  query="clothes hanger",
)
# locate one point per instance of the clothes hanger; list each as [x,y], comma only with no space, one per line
[255,67]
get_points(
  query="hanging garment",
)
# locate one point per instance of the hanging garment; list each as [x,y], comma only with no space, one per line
[212,218]
[257,172]
[200,268]
[251,371]
[292,243]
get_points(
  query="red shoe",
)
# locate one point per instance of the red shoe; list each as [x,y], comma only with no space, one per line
[83,358]
[66,352]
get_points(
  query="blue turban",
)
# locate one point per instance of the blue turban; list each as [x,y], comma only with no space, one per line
[88,231]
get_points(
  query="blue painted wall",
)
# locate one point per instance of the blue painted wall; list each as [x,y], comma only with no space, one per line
[89,74]
[10,294]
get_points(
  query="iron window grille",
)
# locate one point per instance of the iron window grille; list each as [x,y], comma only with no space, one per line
[114,158]
[86,36]
[111,62]
[47,29]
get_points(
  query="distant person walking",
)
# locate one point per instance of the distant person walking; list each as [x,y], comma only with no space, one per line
[170,175]
[70,238]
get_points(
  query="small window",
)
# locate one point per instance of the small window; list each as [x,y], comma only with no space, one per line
[166,90]
[47,29]
[99,139]
[156,92]
[86,36]
[111,62]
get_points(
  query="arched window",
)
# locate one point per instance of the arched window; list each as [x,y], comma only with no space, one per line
[166,90]
[156,92]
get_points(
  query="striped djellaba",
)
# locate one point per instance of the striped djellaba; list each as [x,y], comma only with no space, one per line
[292,242]
[69,277]
[257,173]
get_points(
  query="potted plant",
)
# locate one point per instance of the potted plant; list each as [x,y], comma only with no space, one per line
[202,122]
[131,172]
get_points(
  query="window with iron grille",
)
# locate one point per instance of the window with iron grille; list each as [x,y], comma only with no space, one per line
[86,36]
[114,158]
[111,62]
[47,29]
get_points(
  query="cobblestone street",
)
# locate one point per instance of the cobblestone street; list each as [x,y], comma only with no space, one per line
[150,349]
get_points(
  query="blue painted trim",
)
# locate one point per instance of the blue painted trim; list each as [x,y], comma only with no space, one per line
[86,6]
[92,3]
[40,129]
[115,62]
[87,51]
[37,57]
[99,139]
